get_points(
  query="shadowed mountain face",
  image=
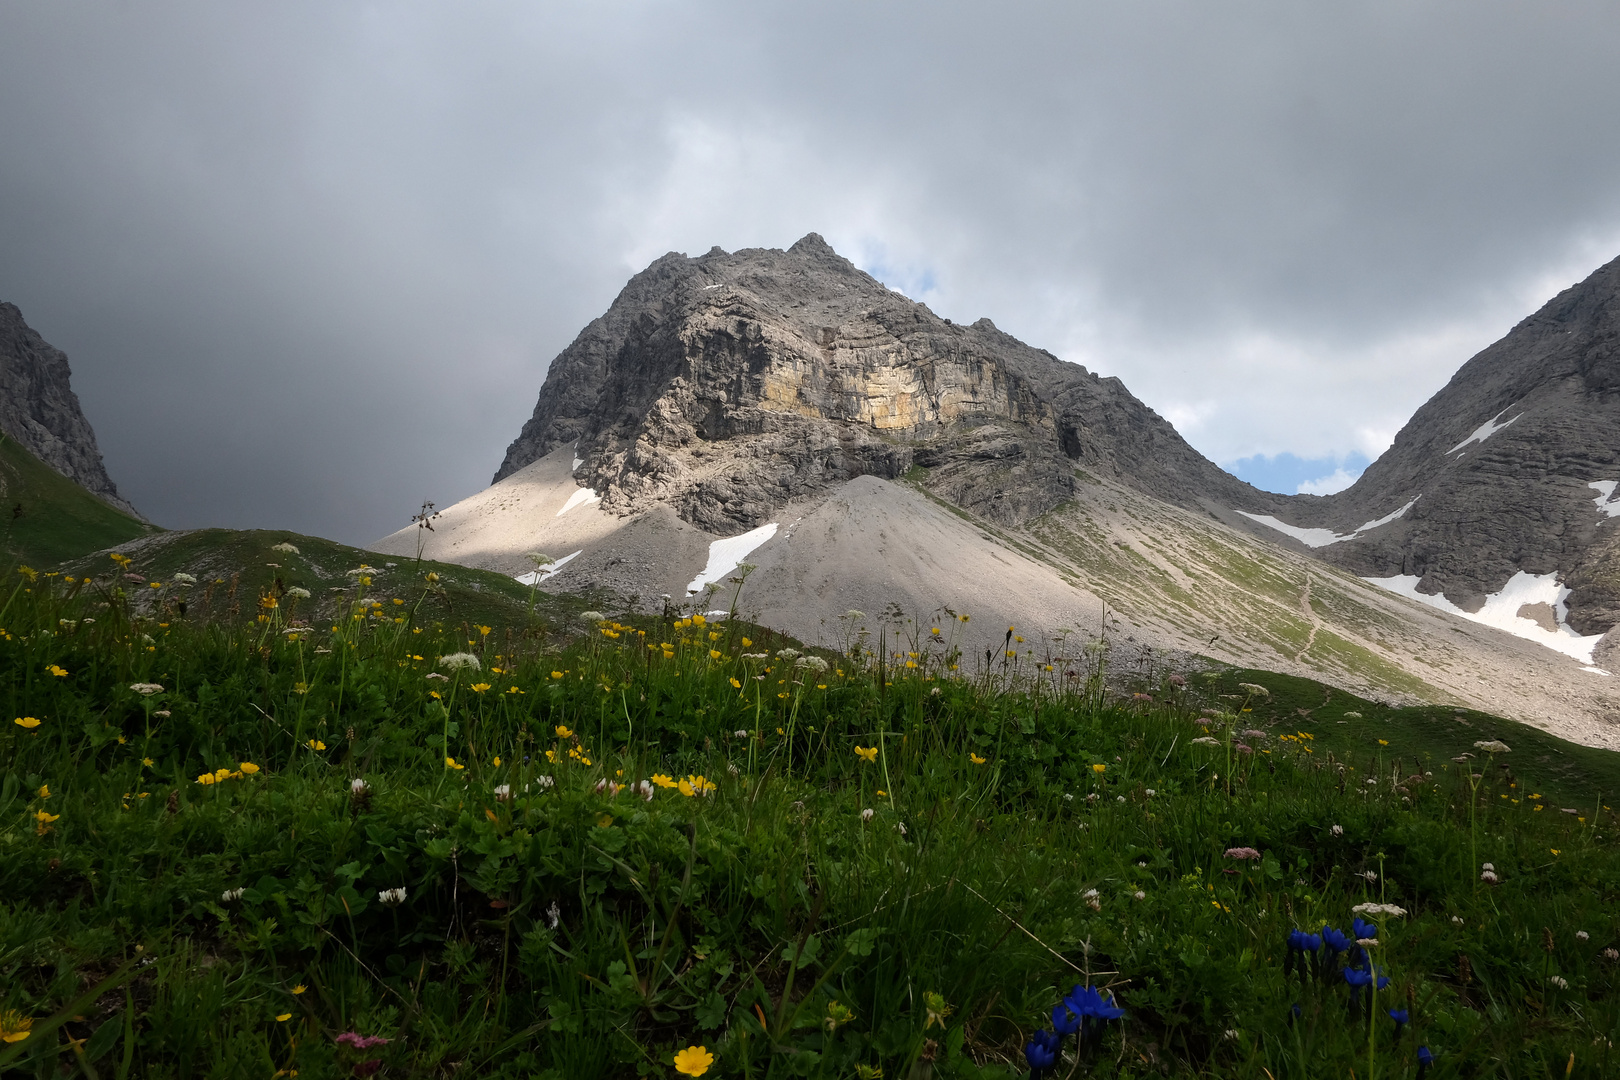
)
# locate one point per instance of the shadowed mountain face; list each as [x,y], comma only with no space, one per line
[39,409]
[1515,466]
[727,385]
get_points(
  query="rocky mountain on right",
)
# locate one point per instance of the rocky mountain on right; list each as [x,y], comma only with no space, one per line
[1498,500]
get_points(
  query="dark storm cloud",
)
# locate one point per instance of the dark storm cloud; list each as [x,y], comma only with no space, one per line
[310,261]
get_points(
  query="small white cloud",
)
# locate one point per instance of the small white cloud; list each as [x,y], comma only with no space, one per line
[1337,480]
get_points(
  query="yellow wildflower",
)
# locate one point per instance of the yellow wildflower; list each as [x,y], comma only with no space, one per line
[604,820]
[59,672]
[26,722]
[715,654]
[746,643]
[976,759]
[867,754]
[479,687]
[563,732]
[44,817]
[1383,742]
[1099,768]
[662,781]
[147,762]
[735,685]
[283,1018]
[497,761]
[14,1027]
[450,763]
[44,791]
[299,989]
[248,767]
[693,1061]
[205,779]
[316,744]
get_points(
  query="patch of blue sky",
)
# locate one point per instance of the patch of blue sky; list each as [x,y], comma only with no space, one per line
[1289,474]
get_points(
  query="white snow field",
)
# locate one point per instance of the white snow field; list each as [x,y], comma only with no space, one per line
[1501,610]
[1485,430]
[1607,504]
[726,554]
[1323,537]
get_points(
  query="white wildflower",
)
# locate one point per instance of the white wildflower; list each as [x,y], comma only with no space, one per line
[232,895]
[298,593]
[1493,746]
[1149,792]
[503,792]
[184,579]
[146,689]
[788,654]
[900,827]
[1119,798]
[553,915]
[1487,866]
[646,790]
[457,660]
[391,897]
[1611,954]
[544,783]
[1379,909]
[286,547]
[1254,689]
[811,663]
[853,614]
[866,815]
[1457,919]
[1337,830]
[1206,740]
[1352,716]
[434,676]
[1367,942]
[740,733]
[1489,877]
[1582,935]
[1559,981]
[361,571]
[1140,895]
[358,786]
[590,616]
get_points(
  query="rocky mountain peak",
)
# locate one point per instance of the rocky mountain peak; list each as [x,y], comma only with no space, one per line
[39,409]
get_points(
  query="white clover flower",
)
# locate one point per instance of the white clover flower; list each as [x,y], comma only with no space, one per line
[900,827]
[286,547]
[503,792]
[184,579]
[358,786]
[1337,830]
[1493,746]
[544,783]
[1489,877]
[391,897]
[646,790]
[1149,792]
[1486,866]
[740,733]
[1379,909]
[1139,895]
[1611,954]
[458,660]
[1119,798]
[866,815]
[1089,894]
[146,689]
[298,593]
[1068,797]
[1457,919]
[1582,935]
[1559,981]
[230,896]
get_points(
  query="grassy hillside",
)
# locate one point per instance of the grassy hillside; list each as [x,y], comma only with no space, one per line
[229,848]
[46,518]
[234,567]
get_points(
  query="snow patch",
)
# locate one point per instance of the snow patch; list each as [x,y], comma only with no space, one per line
[725,555]
[1323,537]
[1501,610]
[535,577]
[1485,430]
[1607,504]
[1596,670]
[579,498]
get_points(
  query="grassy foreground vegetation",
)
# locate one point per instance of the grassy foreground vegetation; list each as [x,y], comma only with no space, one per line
[354,833]
[45,517]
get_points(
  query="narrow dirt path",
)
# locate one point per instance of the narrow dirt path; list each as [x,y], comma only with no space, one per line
[1309,613]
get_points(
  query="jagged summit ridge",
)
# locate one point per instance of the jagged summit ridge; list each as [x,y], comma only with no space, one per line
[39,409]
[732,383]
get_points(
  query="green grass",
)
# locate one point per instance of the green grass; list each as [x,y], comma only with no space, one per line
[49,518]
[1027,832]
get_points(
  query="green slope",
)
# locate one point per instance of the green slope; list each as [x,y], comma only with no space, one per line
[46,518]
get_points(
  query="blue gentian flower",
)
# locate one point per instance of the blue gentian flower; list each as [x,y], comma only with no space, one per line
[1064,1020]
[1300,941]
[1041,1051]
[1401,1019]
[1335,940]
[1363,929]
[1357,978]
[1425,1059]
[1086,1001]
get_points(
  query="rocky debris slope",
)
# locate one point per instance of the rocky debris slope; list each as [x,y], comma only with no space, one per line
[39,409]
[729,385]
[1514,467]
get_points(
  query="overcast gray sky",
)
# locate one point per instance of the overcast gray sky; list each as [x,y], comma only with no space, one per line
[310,260]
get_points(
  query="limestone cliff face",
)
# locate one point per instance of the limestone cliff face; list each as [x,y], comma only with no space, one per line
[39,409]
[1515,462]
[730,384]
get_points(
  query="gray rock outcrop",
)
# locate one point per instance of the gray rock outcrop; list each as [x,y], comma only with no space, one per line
[729,384]
[39,409]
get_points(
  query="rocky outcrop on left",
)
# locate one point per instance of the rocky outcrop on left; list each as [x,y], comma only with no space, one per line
[39,409]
